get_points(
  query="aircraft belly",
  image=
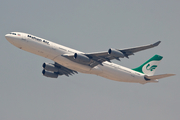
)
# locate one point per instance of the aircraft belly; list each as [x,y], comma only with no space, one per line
[111,73]
[96,70]
[121,75]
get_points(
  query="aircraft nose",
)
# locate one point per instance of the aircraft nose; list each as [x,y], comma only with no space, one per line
[7,36]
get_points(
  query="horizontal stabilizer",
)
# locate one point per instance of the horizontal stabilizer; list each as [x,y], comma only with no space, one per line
[154,77]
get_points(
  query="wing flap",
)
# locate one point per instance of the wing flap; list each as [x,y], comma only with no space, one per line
[65,71]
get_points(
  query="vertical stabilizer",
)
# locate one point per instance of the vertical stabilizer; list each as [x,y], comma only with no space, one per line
[150,66]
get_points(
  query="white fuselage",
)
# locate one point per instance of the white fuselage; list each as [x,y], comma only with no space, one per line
[53,51]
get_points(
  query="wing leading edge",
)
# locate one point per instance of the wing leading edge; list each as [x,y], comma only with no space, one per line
[93,59]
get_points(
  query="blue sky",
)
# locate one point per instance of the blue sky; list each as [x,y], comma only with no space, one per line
[89,26]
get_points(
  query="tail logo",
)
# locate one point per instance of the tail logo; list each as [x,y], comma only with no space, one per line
[151,68]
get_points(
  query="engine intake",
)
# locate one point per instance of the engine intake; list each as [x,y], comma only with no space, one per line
[50,67]
[49,74]
[115,53]
[81,58]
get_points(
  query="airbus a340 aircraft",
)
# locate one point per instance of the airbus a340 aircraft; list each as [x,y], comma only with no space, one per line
[68,61]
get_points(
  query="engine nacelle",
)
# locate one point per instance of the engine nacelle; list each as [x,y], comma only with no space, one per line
[49,74]
[81,58]
[50,67]
[115,53]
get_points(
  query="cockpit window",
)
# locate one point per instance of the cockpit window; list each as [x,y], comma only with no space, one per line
[13,33]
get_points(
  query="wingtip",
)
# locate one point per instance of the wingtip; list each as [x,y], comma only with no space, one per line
[157,43]
[172,74]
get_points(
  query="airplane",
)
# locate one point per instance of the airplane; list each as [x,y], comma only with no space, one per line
[68,61]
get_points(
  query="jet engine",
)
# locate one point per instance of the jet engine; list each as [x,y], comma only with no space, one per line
[50,67]
[49,74]
[115,53]
[81,58]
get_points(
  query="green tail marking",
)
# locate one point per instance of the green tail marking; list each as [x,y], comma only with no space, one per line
[149,68]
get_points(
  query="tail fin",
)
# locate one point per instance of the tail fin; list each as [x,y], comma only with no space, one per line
[150,66]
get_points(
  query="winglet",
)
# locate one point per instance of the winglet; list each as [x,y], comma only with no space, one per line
[157,43]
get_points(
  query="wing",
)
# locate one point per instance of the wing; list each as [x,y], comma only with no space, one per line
[130,51]
[93,59]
